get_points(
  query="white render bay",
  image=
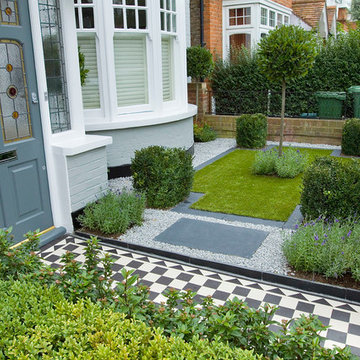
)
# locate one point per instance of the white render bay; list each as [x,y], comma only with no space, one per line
[135,90]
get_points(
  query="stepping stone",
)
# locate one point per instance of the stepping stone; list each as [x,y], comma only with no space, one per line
[216,238]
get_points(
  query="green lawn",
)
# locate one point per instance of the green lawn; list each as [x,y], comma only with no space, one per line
[230,187]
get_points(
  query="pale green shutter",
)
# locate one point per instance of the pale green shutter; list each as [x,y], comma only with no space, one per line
[131,70]
[90,90]
[167,71]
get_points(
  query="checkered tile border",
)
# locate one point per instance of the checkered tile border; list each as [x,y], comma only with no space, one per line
[160,274]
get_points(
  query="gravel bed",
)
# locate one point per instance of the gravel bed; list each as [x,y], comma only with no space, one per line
[268,257]
[305,145]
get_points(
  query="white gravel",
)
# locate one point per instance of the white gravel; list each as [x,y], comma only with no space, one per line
[268,257]
[305,145]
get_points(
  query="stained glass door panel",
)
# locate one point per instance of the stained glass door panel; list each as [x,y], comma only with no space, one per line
[24,191]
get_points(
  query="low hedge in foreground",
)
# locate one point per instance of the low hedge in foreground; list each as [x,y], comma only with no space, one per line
[165,175]
[331,188]
[38,323]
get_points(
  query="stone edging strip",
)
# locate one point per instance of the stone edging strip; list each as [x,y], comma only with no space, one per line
[351,295]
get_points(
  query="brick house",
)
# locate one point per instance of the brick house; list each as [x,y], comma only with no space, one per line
[221,25]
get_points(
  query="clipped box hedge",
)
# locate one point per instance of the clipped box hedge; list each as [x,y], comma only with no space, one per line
[165,175]
[251,131]
[37,322]
[331,188]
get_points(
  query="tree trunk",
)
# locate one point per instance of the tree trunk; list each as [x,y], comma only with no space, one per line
[282,124]
[197,100]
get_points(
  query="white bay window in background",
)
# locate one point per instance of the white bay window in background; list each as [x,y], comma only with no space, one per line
[87,42]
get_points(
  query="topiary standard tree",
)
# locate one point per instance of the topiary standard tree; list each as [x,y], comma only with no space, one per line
[286,54]
[200,65]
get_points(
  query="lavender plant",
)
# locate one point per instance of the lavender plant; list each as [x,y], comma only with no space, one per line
[328,248]
[289,165]
[114,213]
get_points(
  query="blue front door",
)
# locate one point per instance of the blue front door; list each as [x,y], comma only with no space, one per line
[24,191]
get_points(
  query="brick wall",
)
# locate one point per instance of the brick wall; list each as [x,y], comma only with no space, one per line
[287,3]
[204,98]
[213,26]
[195,22]
[313,131]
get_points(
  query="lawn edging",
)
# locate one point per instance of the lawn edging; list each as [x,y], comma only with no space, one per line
[351,295]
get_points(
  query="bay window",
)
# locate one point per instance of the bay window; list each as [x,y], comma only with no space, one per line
[87,43]
[168,33]
[122,42]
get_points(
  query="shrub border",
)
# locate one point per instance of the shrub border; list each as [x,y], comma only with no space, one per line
[314,287]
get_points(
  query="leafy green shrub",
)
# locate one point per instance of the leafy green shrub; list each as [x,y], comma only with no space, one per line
[289,165]
[165,175]
[328,248]
[233,324]
[331,188]
[203,133]
[350,143]
[37,322]
[20,260]
[114,213]
[251,131]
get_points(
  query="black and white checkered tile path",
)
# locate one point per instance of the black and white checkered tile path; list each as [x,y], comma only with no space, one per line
[159,274]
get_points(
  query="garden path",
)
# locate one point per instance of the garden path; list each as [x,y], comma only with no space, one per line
[160,274]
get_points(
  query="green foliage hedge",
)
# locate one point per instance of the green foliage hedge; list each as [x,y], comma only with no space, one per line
[239,87]
[331,188]
[37,322]
[165,175]
[350,143]
[203,133]
[251,131]
[114,213]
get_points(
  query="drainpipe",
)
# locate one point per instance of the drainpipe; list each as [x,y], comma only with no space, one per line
[202,23]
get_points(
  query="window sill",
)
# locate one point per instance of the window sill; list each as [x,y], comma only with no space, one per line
[140,119]
[75,144]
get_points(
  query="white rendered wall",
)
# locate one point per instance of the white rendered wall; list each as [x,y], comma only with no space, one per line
[69,143]
[126,141]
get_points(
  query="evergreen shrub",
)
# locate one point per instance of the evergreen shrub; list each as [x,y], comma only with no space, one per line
[203,133]
[165,175]
[37,322]
[350,143]
[331,188]
[251,131]
[240,88]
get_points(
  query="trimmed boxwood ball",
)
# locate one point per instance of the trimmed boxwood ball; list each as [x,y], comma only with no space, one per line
[350,143]
[251,131]
[165,175]
[331,188]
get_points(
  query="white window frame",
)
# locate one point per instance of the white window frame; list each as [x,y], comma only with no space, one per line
[265,16]
[244,7]
[96,112]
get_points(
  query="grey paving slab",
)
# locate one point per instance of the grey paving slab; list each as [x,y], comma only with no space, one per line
[213,237]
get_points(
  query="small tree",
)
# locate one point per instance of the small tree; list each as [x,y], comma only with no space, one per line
[286,54]
[200,65]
